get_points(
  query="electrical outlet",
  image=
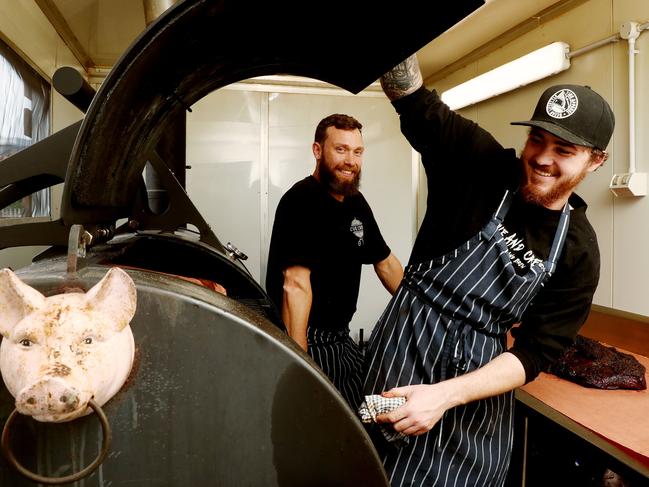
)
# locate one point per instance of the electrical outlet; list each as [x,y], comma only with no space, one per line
[629,184]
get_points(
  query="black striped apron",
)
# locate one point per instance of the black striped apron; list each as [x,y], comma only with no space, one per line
[340,359]
[450,316]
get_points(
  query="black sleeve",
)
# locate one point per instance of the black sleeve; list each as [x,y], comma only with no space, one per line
[438,133]
[553,319]
[467,172]
[377,249]
[295,232]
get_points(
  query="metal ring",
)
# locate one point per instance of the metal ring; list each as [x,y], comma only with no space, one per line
[9,455]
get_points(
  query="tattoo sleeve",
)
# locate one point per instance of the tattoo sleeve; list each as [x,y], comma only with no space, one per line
[403,79]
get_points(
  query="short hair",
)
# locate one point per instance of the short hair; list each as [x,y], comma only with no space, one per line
[338,120]
[596,153]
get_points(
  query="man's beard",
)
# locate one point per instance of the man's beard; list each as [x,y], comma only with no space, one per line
[558,191]
[343,188]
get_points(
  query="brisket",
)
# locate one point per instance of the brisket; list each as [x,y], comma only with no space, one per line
[591,364]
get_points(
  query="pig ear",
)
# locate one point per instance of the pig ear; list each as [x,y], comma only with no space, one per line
[114,296]
[17,300]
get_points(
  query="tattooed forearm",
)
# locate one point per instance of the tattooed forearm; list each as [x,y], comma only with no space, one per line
[403,79]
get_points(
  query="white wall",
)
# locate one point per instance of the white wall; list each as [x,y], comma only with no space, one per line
[622,224]
[25,28]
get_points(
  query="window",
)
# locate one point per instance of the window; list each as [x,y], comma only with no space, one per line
[24,119]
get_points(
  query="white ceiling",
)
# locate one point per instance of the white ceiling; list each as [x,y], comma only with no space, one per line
[103,29]
[99,31]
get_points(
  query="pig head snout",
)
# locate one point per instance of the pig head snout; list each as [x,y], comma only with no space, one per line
[49,396]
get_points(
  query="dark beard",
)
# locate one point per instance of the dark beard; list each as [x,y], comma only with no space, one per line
[343,188]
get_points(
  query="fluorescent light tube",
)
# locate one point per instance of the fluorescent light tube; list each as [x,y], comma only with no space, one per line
[536,65]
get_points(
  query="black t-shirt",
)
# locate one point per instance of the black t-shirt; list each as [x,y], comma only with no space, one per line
[468,172]
[333,239]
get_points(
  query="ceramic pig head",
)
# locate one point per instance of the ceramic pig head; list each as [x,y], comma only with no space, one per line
[58,352]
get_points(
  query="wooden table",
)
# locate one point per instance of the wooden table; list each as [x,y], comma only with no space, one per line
[613,423]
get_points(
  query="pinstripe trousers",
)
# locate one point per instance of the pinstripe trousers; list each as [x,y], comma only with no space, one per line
[450,316]
[340,359]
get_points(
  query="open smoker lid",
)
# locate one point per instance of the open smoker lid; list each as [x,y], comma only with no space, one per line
[198,46]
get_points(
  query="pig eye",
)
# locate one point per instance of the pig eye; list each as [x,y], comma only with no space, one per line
[88,340]
[26,342]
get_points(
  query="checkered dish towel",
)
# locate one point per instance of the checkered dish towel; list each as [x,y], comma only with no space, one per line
[377,404]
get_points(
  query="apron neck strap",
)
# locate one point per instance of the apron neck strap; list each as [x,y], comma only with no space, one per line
[559,239]
[503,208]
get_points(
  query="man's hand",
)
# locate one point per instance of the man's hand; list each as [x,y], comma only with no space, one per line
[403,79]
[424,407]
[425,404]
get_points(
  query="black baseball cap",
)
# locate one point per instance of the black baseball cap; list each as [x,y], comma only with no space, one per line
[574,113]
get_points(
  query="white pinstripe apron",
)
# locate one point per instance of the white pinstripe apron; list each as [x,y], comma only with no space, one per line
[450,316]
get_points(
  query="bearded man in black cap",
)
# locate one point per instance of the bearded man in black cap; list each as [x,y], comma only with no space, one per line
[505,240]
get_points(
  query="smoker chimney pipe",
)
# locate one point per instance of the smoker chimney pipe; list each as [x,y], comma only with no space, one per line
[172,145]
[154,8]
[69,83]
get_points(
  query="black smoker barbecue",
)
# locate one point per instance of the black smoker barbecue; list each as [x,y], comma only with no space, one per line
[219,395]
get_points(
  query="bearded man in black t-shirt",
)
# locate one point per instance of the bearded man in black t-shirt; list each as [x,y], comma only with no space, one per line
[324,231]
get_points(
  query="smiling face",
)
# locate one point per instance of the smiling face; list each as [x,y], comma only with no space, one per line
[552,168]
[339,159]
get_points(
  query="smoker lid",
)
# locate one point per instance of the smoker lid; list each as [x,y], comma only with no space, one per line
[198,46]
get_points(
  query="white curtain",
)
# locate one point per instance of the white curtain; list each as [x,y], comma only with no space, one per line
[24,119]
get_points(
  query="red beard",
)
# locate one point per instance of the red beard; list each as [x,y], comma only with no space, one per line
[558,191]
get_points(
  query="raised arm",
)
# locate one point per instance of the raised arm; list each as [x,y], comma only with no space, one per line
[403,79]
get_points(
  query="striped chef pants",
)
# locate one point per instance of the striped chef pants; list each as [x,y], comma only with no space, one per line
[340,359]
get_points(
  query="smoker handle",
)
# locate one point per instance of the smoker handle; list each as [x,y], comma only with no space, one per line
[11,459]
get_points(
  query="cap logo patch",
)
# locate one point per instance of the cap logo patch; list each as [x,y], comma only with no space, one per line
[562,104]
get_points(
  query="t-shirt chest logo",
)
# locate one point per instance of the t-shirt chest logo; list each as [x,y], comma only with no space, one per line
[357,229]
[562,104]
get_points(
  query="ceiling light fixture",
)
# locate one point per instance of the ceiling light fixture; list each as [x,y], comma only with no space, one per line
[536,65]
